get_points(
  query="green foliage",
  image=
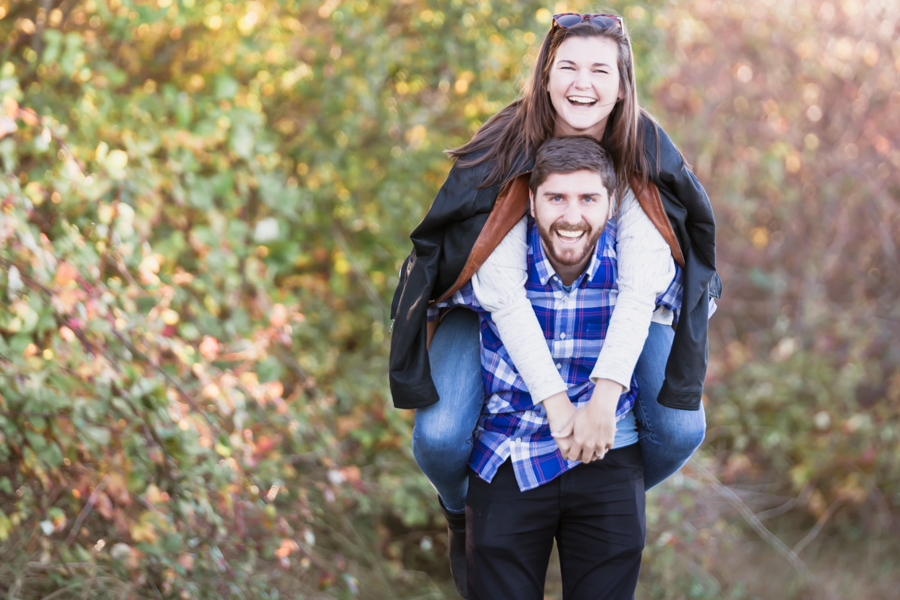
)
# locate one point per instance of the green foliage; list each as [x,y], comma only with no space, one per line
[203,208]
[792,143]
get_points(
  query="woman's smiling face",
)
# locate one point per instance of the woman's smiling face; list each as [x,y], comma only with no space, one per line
[584,85]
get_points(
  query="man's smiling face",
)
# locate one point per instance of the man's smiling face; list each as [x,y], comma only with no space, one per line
[571,210]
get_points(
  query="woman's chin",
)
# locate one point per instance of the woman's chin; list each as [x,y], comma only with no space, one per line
[580,124]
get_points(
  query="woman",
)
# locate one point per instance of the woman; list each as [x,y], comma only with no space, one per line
[565,97]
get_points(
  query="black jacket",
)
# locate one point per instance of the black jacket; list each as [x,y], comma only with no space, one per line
[445,237]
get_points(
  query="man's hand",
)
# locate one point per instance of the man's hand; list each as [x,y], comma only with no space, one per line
[593,429]
[560,414]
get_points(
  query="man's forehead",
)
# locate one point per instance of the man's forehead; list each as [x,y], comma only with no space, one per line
[574,183]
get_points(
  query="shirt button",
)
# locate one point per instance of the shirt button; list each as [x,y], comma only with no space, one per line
[562,336]
[559,365]
[518,440]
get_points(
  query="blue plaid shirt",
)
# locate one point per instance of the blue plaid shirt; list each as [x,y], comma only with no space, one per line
[574,325]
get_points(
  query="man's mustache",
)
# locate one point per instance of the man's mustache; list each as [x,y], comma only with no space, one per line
[579,227]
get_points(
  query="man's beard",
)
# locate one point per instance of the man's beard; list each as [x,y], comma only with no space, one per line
[569,256]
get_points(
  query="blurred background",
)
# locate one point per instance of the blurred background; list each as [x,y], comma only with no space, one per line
[203,208]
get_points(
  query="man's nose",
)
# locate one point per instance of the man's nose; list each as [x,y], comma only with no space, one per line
[572,216]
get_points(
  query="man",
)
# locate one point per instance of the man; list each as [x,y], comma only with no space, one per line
[522,492]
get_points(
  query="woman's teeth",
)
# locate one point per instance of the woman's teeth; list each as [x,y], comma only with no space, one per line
[582,100]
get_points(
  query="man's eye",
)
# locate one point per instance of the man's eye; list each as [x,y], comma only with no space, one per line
[556,199]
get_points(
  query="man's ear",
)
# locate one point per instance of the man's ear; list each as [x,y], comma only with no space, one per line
[612,204]
[531,203]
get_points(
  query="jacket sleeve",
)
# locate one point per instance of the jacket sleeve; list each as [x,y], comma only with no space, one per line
[441,244]
[691,215]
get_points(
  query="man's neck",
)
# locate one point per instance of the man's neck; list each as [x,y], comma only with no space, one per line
[567,274]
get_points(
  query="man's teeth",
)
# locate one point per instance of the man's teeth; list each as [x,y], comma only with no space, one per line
[570,234]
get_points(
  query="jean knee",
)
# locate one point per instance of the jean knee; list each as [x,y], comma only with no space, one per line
[441,446]
[684,439]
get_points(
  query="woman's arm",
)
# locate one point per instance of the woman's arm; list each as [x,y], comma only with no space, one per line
[500,288]
[646,269]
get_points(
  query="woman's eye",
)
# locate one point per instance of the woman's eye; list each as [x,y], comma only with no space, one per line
[589,199]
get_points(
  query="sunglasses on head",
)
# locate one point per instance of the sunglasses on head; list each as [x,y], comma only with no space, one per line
[565,20]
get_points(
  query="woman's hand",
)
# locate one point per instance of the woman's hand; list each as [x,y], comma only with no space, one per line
[593,428]
[560,415]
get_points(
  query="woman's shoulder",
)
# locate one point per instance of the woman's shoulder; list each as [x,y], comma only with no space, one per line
[468,171]
[663,156]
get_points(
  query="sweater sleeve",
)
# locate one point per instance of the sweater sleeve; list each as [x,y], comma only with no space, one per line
[500,288]
[646,268]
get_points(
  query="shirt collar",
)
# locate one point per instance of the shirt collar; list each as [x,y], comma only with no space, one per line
[545,271]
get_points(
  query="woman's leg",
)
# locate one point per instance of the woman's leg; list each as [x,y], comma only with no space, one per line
[668,436]
[442,437]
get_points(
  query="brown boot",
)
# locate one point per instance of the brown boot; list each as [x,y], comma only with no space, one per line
[456,539]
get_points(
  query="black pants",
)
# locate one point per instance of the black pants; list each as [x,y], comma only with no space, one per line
[595,512]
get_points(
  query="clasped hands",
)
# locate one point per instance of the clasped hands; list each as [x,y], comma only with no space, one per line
[589,432]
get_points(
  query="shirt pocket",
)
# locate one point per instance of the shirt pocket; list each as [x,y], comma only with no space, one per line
[596,331]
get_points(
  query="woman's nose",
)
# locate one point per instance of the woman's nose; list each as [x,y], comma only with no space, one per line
[582,80]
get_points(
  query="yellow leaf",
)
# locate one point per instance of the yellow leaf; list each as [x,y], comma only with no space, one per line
[154,496]
[5,527]
[144,532]
[116,160]
[117,488]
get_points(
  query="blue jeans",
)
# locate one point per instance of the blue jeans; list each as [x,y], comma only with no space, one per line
[442,437]
[668,436]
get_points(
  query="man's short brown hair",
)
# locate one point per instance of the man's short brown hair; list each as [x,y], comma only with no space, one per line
[569,154]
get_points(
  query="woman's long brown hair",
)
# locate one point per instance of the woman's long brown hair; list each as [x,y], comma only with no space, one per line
[526,123]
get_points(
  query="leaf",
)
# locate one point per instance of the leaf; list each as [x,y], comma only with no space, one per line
[266,230]
[117,488]
[144,532]
[52,455]
[5,527]
[226,87]
[200,193]
[116,160]
[241,141]
[100,435]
